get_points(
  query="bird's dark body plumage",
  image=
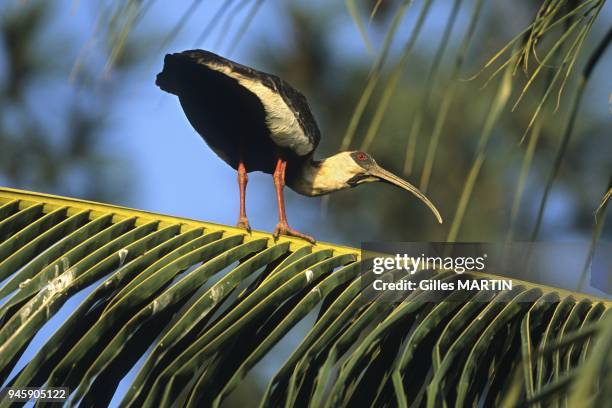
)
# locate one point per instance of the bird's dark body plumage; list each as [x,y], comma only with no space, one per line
[240,112]
[256,121]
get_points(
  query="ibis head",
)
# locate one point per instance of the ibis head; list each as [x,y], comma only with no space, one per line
[347,170]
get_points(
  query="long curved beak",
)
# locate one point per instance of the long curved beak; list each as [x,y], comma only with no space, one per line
[391,178]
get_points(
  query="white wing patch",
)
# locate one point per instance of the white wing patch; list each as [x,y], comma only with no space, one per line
[285,130]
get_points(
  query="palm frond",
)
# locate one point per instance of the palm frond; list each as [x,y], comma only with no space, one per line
[212,24]
[446,104]
[569,129]
[351,5]
[394,78]
[245,25]
[152,295]
[598,226]
[600,211]
[432,76]
[375,76]
[498,104]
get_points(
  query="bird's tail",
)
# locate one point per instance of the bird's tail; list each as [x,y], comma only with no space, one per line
[169,79]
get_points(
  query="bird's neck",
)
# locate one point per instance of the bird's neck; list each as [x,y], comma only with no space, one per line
[319,177]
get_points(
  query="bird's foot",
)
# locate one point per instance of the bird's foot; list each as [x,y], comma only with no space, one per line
[282,228]
[243,222]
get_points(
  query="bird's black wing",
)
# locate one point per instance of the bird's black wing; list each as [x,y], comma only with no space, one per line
[289,120]
[298,103]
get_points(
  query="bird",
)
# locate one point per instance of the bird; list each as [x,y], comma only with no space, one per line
[256,121]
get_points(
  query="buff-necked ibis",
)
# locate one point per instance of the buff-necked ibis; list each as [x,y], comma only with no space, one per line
[256,121]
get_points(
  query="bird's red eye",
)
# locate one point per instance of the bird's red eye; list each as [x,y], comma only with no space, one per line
[361,156]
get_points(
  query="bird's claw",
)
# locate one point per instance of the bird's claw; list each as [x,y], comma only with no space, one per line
[243,222]
[285,229]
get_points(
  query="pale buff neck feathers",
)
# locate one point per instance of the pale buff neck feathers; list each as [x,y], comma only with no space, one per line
[326,176]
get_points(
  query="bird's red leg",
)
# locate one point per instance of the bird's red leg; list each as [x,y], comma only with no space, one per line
[243,179]
[282,227]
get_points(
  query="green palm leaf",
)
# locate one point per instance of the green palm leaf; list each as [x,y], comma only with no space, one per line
[201,304]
